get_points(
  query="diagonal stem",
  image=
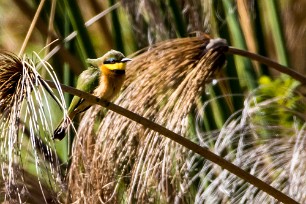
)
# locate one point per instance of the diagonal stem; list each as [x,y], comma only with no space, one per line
[26,40]
[204,152]
[281,68]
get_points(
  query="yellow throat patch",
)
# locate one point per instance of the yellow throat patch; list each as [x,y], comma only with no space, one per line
[115,66]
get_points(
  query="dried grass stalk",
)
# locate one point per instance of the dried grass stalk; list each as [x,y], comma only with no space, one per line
[123,158]
[24,139]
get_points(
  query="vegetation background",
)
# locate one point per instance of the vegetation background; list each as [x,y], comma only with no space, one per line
[249,114]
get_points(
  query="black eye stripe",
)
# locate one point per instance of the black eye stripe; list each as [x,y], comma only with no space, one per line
[111,61]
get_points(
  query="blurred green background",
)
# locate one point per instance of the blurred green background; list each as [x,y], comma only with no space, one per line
[276,29]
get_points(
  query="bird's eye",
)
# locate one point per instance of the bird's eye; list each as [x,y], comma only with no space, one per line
[110,61]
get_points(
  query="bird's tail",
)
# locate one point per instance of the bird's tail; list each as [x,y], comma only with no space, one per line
[60,132]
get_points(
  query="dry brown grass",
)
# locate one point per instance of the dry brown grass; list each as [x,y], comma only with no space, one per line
[11,69]
[24,134]
[163,84]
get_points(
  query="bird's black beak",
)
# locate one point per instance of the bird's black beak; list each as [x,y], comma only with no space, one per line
[126,60]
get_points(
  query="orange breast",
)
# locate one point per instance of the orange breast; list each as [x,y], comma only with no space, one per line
[110,85]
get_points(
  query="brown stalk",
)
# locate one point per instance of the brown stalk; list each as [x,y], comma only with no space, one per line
[283,69]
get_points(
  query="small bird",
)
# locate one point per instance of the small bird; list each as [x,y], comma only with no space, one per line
[103,79]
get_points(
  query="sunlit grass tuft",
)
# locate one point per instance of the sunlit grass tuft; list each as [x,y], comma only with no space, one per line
[256,139]
[29,164]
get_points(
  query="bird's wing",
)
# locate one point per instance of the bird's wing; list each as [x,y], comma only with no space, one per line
[87,82]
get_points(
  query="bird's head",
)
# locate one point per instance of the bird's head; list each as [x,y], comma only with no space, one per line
[112,62]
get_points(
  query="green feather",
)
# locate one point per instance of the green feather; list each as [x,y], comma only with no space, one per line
[87,82]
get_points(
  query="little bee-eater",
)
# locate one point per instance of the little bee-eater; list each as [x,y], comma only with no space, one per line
[103,79]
